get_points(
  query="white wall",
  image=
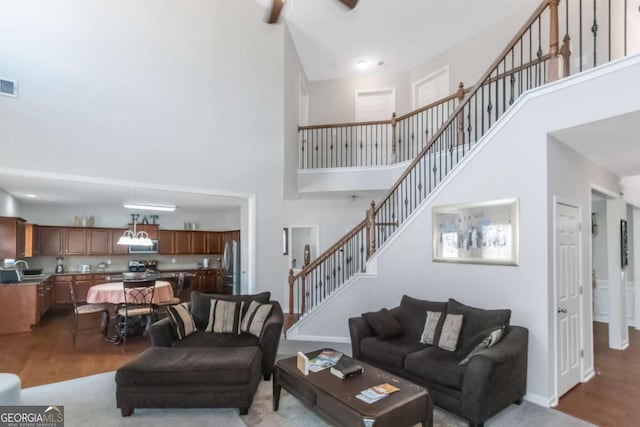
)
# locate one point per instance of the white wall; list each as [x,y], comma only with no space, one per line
[293,73]
[333,101]
[113,216]
[599,243]
[192,90]
[523,164]
[9,205]
[631,189]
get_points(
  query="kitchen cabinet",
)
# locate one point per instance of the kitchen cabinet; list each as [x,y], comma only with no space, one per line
[166,242]
[61,290]
[45,298]
[198,242]
[214,240]
[182,242]
[51,240]
[75,242]
[98,241]
[115,248]
[31,240]
[150,229]
[12,243]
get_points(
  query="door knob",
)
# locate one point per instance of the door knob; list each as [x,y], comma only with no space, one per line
[562,310]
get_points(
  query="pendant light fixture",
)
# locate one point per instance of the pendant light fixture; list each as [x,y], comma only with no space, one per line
[135,238]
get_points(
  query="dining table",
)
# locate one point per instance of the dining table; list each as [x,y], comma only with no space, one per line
[113,293]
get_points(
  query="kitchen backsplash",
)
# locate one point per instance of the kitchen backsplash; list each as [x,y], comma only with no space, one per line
[121,263]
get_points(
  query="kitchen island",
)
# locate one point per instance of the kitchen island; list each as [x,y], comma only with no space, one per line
[22,305]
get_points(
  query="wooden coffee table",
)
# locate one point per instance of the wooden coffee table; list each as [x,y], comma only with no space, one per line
[335,399]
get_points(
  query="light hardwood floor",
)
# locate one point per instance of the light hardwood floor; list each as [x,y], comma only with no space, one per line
[612,397]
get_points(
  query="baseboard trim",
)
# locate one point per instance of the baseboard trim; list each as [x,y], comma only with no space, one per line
[539,400]
[342,340]
[588,375]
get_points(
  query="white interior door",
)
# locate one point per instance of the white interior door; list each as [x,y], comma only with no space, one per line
[431,88]
[376,104]
[568,296]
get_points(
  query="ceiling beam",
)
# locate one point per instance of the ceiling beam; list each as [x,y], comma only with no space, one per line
[349,3]
[276,8]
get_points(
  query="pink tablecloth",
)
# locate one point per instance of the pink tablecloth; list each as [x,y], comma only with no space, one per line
[112,293]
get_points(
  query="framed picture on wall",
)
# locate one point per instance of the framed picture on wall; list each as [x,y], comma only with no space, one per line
[477,233]
[624,248]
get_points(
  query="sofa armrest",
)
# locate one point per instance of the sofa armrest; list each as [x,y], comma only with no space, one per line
[359,329]
[270,338]
[161,333]
[496,377]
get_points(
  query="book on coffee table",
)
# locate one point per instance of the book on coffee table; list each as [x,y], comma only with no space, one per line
[324,360]
[346,368]
[378,392]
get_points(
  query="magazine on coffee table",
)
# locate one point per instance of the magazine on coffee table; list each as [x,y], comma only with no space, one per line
[377,392]
[324,360]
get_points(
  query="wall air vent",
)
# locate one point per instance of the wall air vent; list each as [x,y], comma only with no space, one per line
[8,87]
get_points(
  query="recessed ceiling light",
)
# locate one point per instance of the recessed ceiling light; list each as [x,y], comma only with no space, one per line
[363,64]
[31,196]
[380,63]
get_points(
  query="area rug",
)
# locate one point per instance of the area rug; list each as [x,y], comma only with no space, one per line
[91,401]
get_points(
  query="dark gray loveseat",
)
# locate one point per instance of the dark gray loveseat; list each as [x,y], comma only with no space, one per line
[492,380]
[163,335]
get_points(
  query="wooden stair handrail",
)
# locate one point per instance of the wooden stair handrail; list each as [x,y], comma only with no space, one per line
[460,108]
[432,105]
[326,254]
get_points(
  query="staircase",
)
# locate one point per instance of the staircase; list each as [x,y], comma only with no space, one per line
[597,31]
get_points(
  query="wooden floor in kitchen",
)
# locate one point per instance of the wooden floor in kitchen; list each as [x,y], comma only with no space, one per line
[612,397]
[46,354]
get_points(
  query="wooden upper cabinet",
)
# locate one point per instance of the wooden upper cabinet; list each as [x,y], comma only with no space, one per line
[31,240]
[182,243]
[198,242]
[51,240]
[98,241]
[151,230]
[214,242]
[115,248]
[166,242]
[11,237]
[75,241]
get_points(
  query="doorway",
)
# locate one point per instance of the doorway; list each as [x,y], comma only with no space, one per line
[568,255]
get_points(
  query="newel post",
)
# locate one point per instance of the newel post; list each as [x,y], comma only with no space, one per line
[371,229]
[291,282]
[460,118]
[553,70]
[393,137]
[565,52]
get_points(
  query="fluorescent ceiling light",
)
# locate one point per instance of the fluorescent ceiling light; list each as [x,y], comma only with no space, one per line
[150,207]
[363,64]
[31,196]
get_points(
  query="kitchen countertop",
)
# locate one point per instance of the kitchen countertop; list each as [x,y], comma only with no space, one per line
[169,270]
[26,280]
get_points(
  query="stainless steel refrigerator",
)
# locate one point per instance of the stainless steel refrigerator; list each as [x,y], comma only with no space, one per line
[231,267]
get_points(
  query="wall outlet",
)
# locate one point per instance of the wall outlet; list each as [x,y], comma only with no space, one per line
[108,262]
[173,260]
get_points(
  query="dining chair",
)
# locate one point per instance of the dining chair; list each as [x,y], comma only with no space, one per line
[177,291]
[138,302]
[86,309]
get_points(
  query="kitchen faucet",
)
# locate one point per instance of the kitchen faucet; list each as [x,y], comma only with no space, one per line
[26,265]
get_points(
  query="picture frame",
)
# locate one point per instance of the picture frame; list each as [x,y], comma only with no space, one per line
[285,241]
[624,248]
[477,233]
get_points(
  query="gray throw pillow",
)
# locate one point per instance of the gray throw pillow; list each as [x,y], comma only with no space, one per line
[491,339]
[224,316]
[181,320]
[383,324]
[430,327]
[255,318]
[450,332]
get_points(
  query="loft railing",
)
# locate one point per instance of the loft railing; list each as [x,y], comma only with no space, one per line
[597,30]
[376,143]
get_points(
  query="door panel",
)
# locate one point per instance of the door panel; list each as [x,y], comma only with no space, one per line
[568,254]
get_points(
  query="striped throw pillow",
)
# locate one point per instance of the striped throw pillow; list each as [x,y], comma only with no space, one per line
[224,316]
[255,317]
[182,320]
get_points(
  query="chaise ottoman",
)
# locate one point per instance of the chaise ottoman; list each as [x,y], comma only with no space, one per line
[213,377]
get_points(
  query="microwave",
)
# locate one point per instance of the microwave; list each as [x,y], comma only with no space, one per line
[136,249]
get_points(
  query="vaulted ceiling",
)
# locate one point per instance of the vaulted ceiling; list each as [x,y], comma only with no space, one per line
[330,38]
